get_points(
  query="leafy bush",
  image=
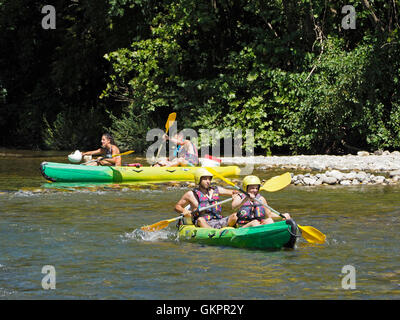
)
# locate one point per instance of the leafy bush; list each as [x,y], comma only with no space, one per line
[74,129]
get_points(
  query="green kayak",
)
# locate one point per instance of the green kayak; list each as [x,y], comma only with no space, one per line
[282,234]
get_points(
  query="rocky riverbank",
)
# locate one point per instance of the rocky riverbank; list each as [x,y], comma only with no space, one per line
[381,167]
[346,179]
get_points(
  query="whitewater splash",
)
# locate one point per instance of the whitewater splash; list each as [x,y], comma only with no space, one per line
[140,235]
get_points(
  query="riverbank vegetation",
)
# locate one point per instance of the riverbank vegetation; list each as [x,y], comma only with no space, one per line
[289,69]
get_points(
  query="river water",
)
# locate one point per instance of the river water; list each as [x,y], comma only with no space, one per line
[91,237]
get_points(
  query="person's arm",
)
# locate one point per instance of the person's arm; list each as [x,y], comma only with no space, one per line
[268,212]
[92,153]
[183,202]
[227,192]
[176,141]
[273,215]
[238,201]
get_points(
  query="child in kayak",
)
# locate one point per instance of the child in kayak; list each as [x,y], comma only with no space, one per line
[251,213]
[107,150]
[186,155]
[202,196]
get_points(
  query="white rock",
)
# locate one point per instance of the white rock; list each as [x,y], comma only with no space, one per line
[345,182]
[330,180]
[309,181]
[335,174]
[318,182]
[361,176]
[351,175]
[362,153]
[378,179]
[394,173]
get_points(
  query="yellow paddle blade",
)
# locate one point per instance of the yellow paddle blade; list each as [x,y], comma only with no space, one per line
[123,154]
[272,185]
[277,183]
[159,225]
[312,234]
[170,121]
[215,173]
[155,227]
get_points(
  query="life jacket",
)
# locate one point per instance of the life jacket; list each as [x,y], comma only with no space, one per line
[250,211]
[190,157]
[204,201]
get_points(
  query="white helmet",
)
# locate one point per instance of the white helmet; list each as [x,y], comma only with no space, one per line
[75,157]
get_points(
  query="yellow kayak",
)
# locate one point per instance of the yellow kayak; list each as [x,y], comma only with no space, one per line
[65,172]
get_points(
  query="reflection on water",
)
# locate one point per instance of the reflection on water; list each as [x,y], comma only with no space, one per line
[91,235]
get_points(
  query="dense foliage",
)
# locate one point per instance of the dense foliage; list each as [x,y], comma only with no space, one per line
[286,68]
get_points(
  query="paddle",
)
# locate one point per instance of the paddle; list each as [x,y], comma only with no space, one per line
[277,183]
[114,155]
[309,233]
[168,124]
[271,185]
[164,223]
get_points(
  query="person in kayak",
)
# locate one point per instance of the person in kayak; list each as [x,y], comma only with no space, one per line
[204,195]
[249,212]
[186,153]
[108,149]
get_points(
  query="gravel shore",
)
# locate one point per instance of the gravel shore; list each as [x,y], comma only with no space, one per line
[381,167]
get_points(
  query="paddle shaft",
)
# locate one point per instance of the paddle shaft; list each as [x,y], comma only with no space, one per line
[209,207]
[215,204]
[171,120]
[114,155]
[274,211]
[176,218]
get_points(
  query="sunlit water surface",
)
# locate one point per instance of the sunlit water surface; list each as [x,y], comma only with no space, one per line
[91,235]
